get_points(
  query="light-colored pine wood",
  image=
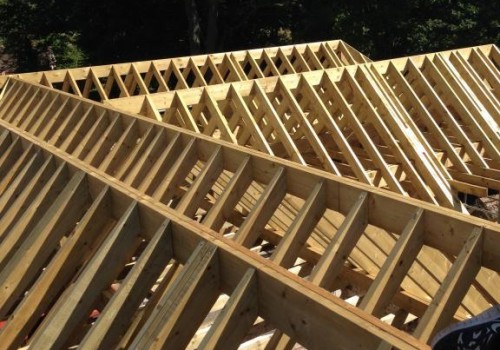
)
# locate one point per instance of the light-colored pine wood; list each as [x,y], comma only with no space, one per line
[236,317]
[21,263]
[76,303]
[453,289]
[186,303]
[263,209]
[342,243]
[58,273]
[296,312]
[107,330]
[297,234]
[396,266]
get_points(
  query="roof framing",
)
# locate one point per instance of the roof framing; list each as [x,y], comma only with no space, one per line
[88,227]
[199,176]
[426,125]
[138,78]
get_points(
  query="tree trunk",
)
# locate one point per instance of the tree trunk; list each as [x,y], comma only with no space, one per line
[194,30]
[212,26]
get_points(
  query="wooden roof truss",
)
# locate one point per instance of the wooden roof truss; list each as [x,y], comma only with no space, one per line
[73,171]
[425,126]
[102,83]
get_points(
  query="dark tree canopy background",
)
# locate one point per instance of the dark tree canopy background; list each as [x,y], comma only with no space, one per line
[91,32]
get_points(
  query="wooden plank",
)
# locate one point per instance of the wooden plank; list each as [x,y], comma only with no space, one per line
[273,118]
[456,284]
[263,210]
[307,129]
[297,305]
[138,79]
[235,71]
[46,114]
[185,113]
[61,131]
[271,67]
[75,136]
[474,81]
[13,211]
[120,310]
[478,191]
[97,83]
[20,266]
[390,141]
[9,94]
[58,273]
[143,315]
[217,77]
[484,120]
[199,61]
[408,130]
[119,82]
[17,102]
[91,138]
[160,164]
[230,196]
[218,118]
[255,67]
[177,173]
[342,243]
[297,234]
[16,188]
[487,70]
[237,316]
[313,60]
[181,82]
[487,139]
[16,168]
[286,65]
[70,82]
[395,267]
[338,137]
[13,151]
[54,120]
[15,227]
[137,153]
[445,114]
[155,71]
[121,149]
[28,119]
[362,135]
[426,118]
[199,80]
[104,142]
[147,157]
[260,141]
[305,183]
[99,273]
[191,201]
[475,180]
[181,311]
[331,56]
[413,146]
[148,109]
[31,104]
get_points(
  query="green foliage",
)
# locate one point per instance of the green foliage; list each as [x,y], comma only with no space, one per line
[98,32]
[390,28]
[65,48]
[29,27]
